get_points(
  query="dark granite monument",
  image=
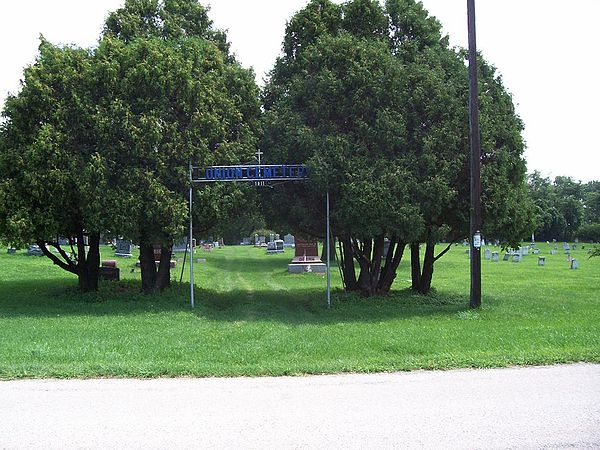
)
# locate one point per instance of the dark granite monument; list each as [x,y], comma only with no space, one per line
[306,258]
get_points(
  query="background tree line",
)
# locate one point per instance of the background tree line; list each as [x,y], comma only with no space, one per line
[565,209]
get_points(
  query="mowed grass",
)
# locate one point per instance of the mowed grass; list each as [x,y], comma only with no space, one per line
[253,318]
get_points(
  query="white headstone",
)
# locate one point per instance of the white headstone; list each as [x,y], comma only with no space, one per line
[487,253]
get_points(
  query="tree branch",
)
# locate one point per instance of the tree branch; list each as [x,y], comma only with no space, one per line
[64,254]
[443,252]
[55,259]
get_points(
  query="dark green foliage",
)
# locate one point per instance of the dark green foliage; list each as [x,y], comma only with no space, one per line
[175,95]
[53,177]
[100,140]
[376,102]
[589,232]
[164,19]
[563,206]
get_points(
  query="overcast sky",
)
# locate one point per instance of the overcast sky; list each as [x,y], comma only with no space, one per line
[546,50]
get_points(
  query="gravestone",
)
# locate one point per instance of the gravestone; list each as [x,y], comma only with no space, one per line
[276,236]
[279,245]
[272,237]
[123,249]
[541,260]
[63,242]
[256,241]
[306,258]
[262,241]
[553,252]
[566,247]
[180,246]
[34,250]
[524,251]
[574,246]
[157,253]
[246,241]
[536,251]
[275,247]
[386,247]
[288,240]
[574,264]
[109,273]
[11,250]
[487,253]
[516,258]
[506,257]
[495,256]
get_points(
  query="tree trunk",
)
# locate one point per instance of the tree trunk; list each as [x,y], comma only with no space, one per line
[347,262]
[363,256]
[148,267]
[375,269]
[89,267]
[428,261]
[88,264]
[392,261]
[163,277]
[85,266]
[415,266]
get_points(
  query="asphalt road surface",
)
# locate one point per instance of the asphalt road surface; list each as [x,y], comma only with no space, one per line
[520,408]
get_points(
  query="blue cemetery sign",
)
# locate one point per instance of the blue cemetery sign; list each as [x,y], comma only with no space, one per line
[253,173]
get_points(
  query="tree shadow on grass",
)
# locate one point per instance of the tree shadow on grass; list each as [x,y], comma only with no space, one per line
[59,297]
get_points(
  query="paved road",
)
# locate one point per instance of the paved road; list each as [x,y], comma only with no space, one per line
[539,407]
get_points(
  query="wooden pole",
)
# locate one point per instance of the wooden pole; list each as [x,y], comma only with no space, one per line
[475,291]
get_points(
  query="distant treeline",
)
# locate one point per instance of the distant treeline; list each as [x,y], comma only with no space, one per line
[565,209]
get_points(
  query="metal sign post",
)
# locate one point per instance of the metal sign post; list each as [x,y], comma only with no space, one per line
[328,265]
[190,244]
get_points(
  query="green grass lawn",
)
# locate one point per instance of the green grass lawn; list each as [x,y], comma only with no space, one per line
[253,318]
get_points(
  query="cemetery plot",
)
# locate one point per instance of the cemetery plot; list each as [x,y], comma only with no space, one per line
[254,318]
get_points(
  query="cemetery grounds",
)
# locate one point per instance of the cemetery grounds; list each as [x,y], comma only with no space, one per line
[253,318]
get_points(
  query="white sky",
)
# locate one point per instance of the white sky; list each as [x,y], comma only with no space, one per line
[546,50]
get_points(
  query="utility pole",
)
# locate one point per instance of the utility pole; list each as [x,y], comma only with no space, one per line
[475,238]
